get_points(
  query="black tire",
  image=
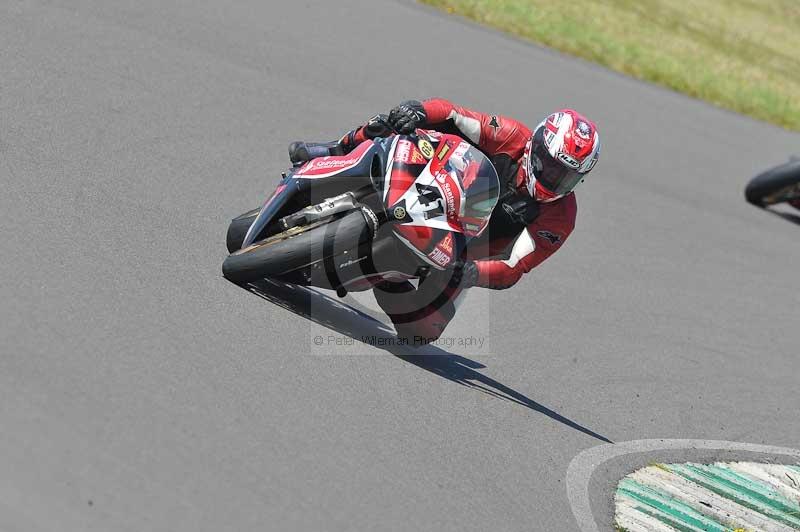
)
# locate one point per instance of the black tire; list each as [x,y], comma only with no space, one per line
[238,229]
[772,181]
[298,247]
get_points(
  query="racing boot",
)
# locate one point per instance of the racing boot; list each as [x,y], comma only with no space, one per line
[301,152]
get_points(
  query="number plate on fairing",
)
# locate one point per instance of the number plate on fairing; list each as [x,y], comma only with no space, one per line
[437,203]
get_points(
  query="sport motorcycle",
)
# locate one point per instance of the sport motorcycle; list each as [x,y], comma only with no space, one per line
[776,185]
[391,210]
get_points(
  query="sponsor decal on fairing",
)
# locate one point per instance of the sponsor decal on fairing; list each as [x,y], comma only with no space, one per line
[407,152]
[351,262]
[443,151]
[331,165]
[426,148]
[442,254]
[439,257]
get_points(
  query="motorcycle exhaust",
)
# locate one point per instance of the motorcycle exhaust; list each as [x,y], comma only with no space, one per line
[325,209]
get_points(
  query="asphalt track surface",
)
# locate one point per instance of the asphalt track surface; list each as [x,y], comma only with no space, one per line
[141,391]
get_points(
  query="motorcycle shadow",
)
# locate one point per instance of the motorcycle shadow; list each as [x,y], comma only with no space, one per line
[788,216]
[354,323]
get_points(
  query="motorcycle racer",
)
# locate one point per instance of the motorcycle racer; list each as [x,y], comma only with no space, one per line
[538,171]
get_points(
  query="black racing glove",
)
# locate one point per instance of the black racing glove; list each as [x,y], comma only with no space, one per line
[520,210]
[470,276]
[407,117]
[465,274]
[377,126]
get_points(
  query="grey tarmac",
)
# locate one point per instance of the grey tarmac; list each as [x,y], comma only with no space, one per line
[141,391]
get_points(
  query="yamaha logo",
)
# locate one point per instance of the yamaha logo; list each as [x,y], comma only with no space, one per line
[399,213]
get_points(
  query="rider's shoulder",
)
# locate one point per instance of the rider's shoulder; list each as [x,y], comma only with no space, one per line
[506,123]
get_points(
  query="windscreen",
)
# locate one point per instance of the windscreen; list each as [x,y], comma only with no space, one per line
[478,180]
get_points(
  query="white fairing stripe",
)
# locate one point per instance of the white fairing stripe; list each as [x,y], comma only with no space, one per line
[470,127]
[387,181]
[523,246]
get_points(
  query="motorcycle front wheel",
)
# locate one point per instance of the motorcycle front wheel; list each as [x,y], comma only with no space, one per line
[776,185]
[300,247]
[238,229]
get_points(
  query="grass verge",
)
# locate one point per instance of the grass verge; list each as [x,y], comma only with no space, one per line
[737,54]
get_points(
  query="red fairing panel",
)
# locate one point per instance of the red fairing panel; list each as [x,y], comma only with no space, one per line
[493,134]
[429,237]
[331,165]
[540,239]
[402,174]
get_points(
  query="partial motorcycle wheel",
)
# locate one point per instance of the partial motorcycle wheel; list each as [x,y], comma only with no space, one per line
[776,185]
[238,229]
[299,247]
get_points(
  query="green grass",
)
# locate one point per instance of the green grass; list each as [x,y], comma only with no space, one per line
[742,55]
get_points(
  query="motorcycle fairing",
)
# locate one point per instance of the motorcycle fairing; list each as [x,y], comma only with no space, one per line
[274,203]
[437,247]
[356,162]
[423,197]
[305,180]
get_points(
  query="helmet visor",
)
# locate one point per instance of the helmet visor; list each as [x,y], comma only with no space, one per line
[553,175]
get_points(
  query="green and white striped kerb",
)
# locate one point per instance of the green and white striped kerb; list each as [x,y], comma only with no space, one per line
[723,497]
